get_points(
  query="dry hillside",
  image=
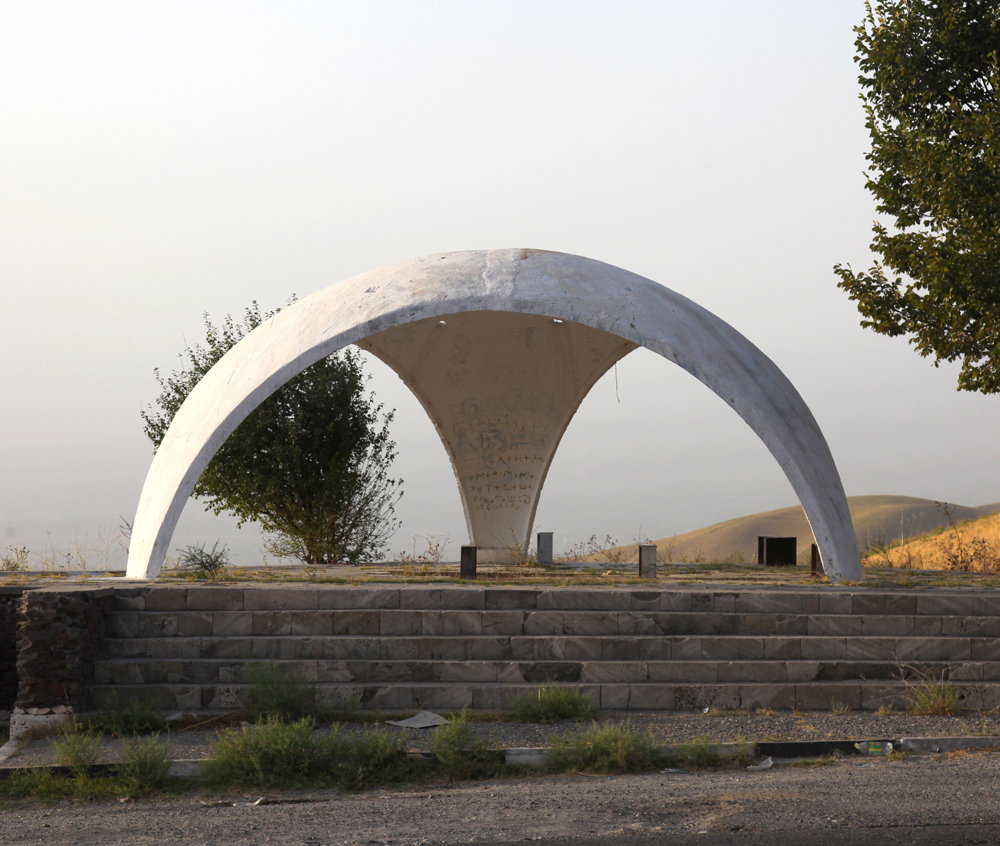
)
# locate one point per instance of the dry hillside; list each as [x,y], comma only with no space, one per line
[972,545]
[878,522]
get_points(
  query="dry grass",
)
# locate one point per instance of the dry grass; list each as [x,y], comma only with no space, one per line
[966,546]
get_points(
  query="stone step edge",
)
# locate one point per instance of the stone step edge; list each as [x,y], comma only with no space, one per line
[535,755]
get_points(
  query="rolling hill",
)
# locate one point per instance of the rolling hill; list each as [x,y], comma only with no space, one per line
[876,519]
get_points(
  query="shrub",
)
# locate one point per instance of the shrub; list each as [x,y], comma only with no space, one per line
[461,753]
[549,704]
[124,719]
[608,748]
[76,749]
[268,754]
[202,563]
[372,757]
[931,696]
[147,763]
[279,693]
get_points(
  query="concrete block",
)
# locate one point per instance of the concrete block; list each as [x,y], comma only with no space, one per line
[751,671]
[926,626]
[452,697]
[265,648]
[295,648]
[123,625]
[398,648]
[933,649]
[756,624]
[338,696]
[984,649]
[887,626]
[321,623]
[583,599]
[280,599]
[782,648]
[683,672]
[443,648]
[698,697]
[353,648]
[703,603]
[355,623]
[166,599]
[822,648]
[972,671]
[651,697]
[232,623]
[619,649]
[837,625]
[194,624]
[870,648]
[768,602]
[590,623]
[271,623]
[776,697]
[820,696]
[835,603]
[901,603]
[451,623]
[491,649]
[356,599]
[510,674]
[970,626]
[524,648]
[576,648]
[463,598]
[544,623]
[644,600]
[137,602]
[868,602]
[468,671]
[725,603]
[956,604]
[810,603]
[875,696]
[420,599]
[398,623]
[791,624]
[732,648]
[333,671]
[671,600]
[229,648]
[502,622]
[604,672]
[686,648]
[656,649]
[157,625]
[510,599]
[213,599]
[989,696]
[802,671]
[637,623]
[614,697]
[494,697]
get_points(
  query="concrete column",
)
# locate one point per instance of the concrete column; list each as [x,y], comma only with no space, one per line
[647,560]
[467,567]
[544,547]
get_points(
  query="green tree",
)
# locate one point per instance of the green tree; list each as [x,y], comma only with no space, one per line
[930,85]
[310,463]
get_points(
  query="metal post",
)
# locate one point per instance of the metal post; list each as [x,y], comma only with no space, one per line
[544,547]
[647,560]
[467,567]
[817,567]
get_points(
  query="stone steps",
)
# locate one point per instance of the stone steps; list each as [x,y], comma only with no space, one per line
[454,647]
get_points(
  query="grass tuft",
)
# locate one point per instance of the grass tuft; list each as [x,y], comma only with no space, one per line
[147,764]
[932,696]
[550,704]
[124,719]
[278,693]
[77,749]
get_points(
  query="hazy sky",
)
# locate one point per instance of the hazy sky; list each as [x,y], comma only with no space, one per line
[161,160]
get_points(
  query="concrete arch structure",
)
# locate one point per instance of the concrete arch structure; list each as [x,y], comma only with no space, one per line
[500,347]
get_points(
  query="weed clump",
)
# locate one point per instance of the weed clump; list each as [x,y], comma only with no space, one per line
[932,696]
[124,719]
[279,693]
[202,563]
[550,704]
[147,764]
[76,748]
[459,753]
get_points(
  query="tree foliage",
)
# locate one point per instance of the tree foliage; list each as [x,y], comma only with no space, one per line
[930,83]
[310,463]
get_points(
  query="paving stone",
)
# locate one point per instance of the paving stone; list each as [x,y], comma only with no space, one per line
[870,648]
[926,626]
[751,624]
[955,604]
[966,672]
[876,696]
[468,671]
[442,648]
[985,649]
[822,648]
[825,624]
[544,623]
[280,599]
[725,603]
[782,648]
[686,648]
[644,600]
[802,671]
[590,623]
[751,671]
[232,623]
[490,649]
[637,623]
[769,602]
[657,648]
[271,623]
[398,648]
[933,649]
[212,599]
[791,624]
[577,648]
[510,674]
[676,601]
[835,603]
[463,598]
[901,603]
[970,626]
[868,603]
[529,648]
[732,649]
[420,599]
[322,623]
[582,599]
[619,649]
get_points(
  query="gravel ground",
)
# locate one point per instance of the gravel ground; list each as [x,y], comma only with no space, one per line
[666,727]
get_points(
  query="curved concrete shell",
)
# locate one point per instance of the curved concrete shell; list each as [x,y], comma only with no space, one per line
[500,347]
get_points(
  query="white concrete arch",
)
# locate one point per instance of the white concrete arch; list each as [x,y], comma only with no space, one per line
[528,333]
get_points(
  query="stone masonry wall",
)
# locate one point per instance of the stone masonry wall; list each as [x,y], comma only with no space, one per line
[58,634]
[8,650]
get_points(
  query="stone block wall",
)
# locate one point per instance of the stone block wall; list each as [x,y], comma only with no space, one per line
[9,600]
